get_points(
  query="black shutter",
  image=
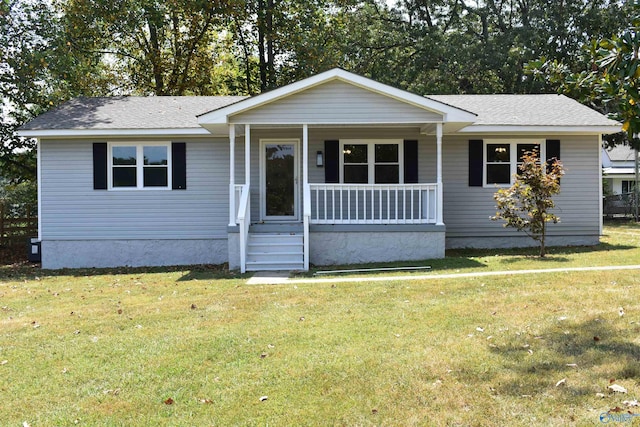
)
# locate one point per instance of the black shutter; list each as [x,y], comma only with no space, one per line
[475,163]
[332,162]
[99,165]
[553,149]
[410,161]
[179,166]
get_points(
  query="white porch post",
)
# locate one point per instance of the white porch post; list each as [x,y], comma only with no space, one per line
[305,154]
[306,203]
[439,220]
[247,154]
[232,175]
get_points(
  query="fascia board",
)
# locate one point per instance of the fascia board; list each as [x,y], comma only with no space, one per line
[577,130]
[79,133]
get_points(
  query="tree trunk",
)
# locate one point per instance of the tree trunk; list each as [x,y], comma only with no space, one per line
[155,55]
[247,56]
[543,249]
[261,37]
[270,60]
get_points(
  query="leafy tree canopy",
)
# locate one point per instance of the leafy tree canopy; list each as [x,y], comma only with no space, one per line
[54,50]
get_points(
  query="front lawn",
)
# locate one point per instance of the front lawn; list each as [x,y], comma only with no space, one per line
[200,347]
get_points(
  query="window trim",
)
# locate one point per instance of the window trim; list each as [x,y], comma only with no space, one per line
[139,165]
[371,160]
[513,157]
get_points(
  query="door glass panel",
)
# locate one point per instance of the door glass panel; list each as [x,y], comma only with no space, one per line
[280,179]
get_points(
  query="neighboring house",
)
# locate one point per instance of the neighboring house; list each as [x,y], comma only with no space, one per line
[619,178]
[333,169]
[618,169]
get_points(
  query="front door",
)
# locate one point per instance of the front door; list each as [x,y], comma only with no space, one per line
[279,176]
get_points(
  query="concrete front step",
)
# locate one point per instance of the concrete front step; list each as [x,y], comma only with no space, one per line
[279,266]
[275,251]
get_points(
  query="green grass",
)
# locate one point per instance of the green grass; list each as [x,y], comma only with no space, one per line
[619,245]
[100,347]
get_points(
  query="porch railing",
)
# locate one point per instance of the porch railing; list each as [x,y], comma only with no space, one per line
[373,203]
[306,218]
[244,220]
[237,188]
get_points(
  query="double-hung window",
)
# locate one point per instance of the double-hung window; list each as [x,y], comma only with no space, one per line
[371,161]
[502,158]
[140,166]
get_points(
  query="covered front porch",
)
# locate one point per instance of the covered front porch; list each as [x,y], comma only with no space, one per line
[334,169]
[286,216]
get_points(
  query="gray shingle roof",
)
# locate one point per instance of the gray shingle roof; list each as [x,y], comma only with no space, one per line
[130,112]
[526,110]
[621,153]
[180,112]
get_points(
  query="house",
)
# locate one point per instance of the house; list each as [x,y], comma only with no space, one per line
[336,168]
[618,169]
[619,178]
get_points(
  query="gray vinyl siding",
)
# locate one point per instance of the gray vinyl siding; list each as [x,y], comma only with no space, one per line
[336,102]
[73,210]
[467,209]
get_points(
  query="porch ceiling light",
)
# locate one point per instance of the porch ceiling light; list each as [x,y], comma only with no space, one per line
[319,159]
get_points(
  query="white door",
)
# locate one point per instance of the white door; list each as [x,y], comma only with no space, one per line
[279,180]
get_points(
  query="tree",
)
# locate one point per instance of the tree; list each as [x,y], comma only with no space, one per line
[30,64]
[152,46]
[526,205]
[606,76]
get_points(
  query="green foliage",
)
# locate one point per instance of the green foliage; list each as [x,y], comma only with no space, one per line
[53,51]
[19,200]
[605,75]
[526,205]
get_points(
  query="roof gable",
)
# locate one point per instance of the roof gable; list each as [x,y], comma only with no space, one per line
[446,113]
[336,102]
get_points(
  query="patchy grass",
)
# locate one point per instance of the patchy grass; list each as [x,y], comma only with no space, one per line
[101,347]
[620,245]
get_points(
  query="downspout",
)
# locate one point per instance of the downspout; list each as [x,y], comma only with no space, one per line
[600,191]
[39,185]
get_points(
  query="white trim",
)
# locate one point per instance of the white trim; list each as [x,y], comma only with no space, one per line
[139,165]
[600,190]
[39,186]
[247,154]
[371,164]
[513,157]
[541,130]
[440,197]
[78,133]
[263,185]
[450,113]
[232,177]
[305,154]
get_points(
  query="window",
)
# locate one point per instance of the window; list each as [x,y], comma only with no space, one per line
[375,161]
[628,186]
[502,158]
[140,166]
